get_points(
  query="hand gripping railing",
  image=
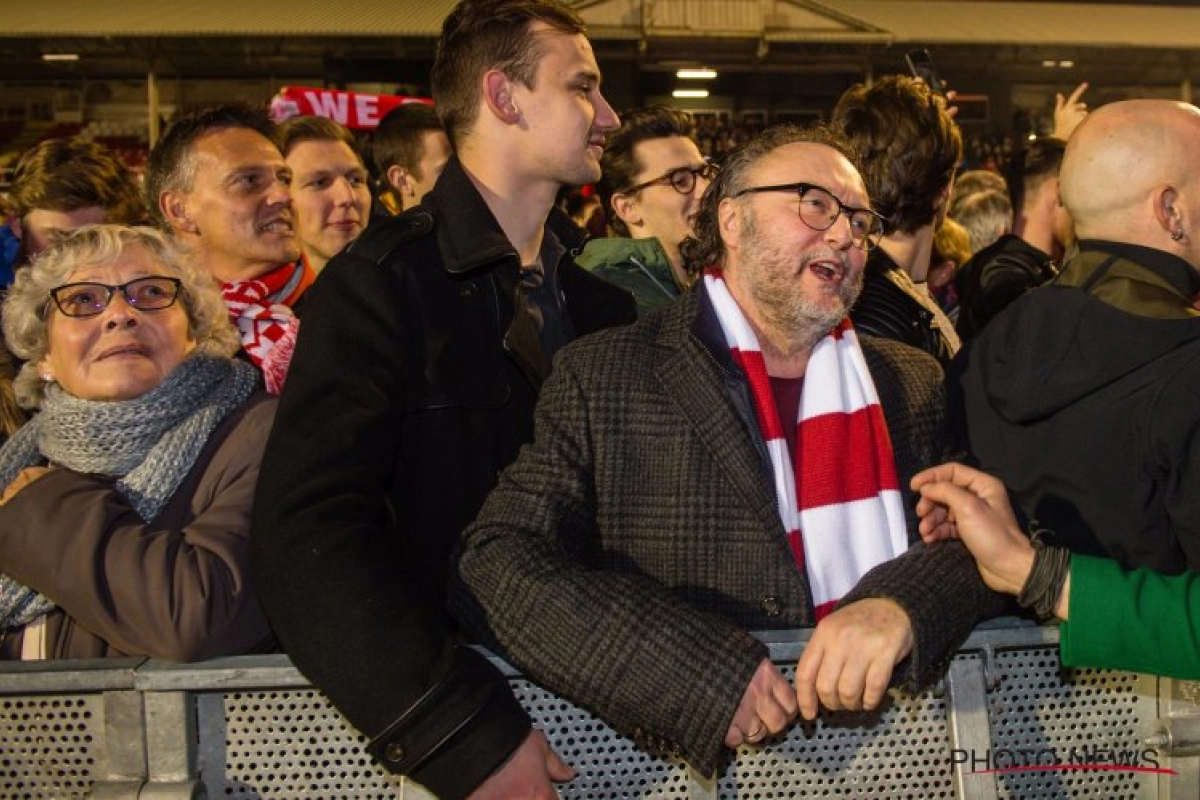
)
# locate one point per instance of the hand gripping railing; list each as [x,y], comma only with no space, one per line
[1006,721]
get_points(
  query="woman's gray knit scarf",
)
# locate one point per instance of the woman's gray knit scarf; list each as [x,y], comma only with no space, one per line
[149,444]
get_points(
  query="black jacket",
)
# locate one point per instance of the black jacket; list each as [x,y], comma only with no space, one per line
[1084,397]
[413,385]
[994,277]
[887,310]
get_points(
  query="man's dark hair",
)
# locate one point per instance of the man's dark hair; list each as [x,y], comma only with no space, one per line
[70,174]
[481,35]
[295,130]
[705,249]
[171,166]
[909,147]
[400,138]
[619,166]
[1032,166]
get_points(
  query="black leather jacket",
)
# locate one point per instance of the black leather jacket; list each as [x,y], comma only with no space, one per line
[887,309]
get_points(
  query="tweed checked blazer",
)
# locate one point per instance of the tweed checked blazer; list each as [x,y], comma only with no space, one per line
[626,553]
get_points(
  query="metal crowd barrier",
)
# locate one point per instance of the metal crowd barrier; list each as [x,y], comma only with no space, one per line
[1007,722]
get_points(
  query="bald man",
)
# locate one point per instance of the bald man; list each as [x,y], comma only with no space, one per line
[1084,395]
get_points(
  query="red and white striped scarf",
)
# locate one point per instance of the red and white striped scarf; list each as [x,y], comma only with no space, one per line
[261,311]
[840,500]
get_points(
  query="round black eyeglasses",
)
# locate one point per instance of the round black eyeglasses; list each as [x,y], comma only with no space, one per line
[819,209]
[681,179]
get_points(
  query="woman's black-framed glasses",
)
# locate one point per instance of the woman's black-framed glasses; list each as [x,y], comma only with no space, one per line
[681,179]
[89,299]
[819,209]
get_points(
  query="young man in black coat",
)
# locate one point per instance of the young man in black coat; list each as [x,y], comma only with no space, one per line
[413,384]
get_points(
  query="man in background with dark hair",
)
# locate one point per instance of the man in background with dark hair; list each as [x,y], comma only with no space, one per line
[910,148]
[653,177]
[219,184]
[1029,256]
[424,347]
[64,184]
[331,195]
[410,149]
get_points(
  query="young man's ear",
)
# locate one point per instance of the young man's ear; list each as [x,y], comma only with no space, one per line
[497,92]
[627,209]
[397,178]
[14,225]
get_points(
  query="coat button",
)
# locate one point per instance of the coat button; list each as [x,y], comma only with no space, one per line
[394,752]
[771,605]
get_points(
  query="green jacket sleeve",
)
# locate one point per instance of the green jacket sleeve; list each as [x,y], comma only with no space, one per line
[1138,620]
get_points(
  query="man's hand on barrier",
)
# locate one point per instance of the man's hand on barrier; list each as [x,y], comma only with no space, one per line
[961,502]
[767,707]
[849,659]
[529,775]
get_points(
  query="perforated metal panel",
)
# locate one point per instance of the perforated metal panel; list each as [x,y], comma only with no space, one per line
[899,752]
[608,765]
[257,741]
[1040,711]
[294,744]
[51,745]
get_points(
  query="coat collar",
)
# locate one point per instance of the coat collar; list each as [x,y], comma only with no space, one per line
[468,234]
[1178,273]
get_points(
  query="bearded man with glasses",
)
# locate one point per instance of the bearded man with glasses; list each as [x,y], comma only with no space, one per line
[652,179]
[735,462]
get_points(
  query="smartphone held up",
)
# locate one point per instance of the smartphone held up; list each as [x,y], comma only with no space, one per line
[920,64]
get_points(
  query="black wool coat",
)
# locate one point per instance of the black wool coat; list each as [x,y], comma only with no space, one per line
[411,389]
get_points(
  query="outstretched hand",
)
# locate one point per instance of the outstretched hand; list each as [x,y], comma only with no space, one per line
[964,503]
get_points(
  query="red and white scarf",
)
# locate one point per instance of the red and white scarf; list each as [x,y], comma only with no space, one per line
[840,500]
[261,311]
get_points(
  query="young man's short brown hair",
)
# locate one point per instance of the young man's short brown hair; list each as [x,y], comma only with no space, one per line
[909,146]
[400,138]
[482,35]
[295,130]
[70,174]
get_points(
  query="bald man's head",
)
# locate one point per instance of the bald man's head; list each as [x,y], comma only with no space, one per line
[1125,164]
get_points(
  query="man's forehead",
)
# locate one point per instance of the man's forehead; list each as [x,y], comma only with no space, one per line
[570,53]
[648,152]
[234,148]
[811,162]
[331,153]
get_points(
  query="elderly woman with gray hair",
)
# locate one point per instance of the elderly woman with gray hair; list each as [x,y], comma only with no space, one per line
[125,519]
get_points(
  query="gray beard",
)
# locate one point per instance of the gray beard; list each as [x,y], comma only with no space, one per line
[796,322]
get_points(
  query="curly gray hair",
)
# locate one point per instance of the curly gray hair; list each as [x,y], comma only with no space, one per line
[28,305]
